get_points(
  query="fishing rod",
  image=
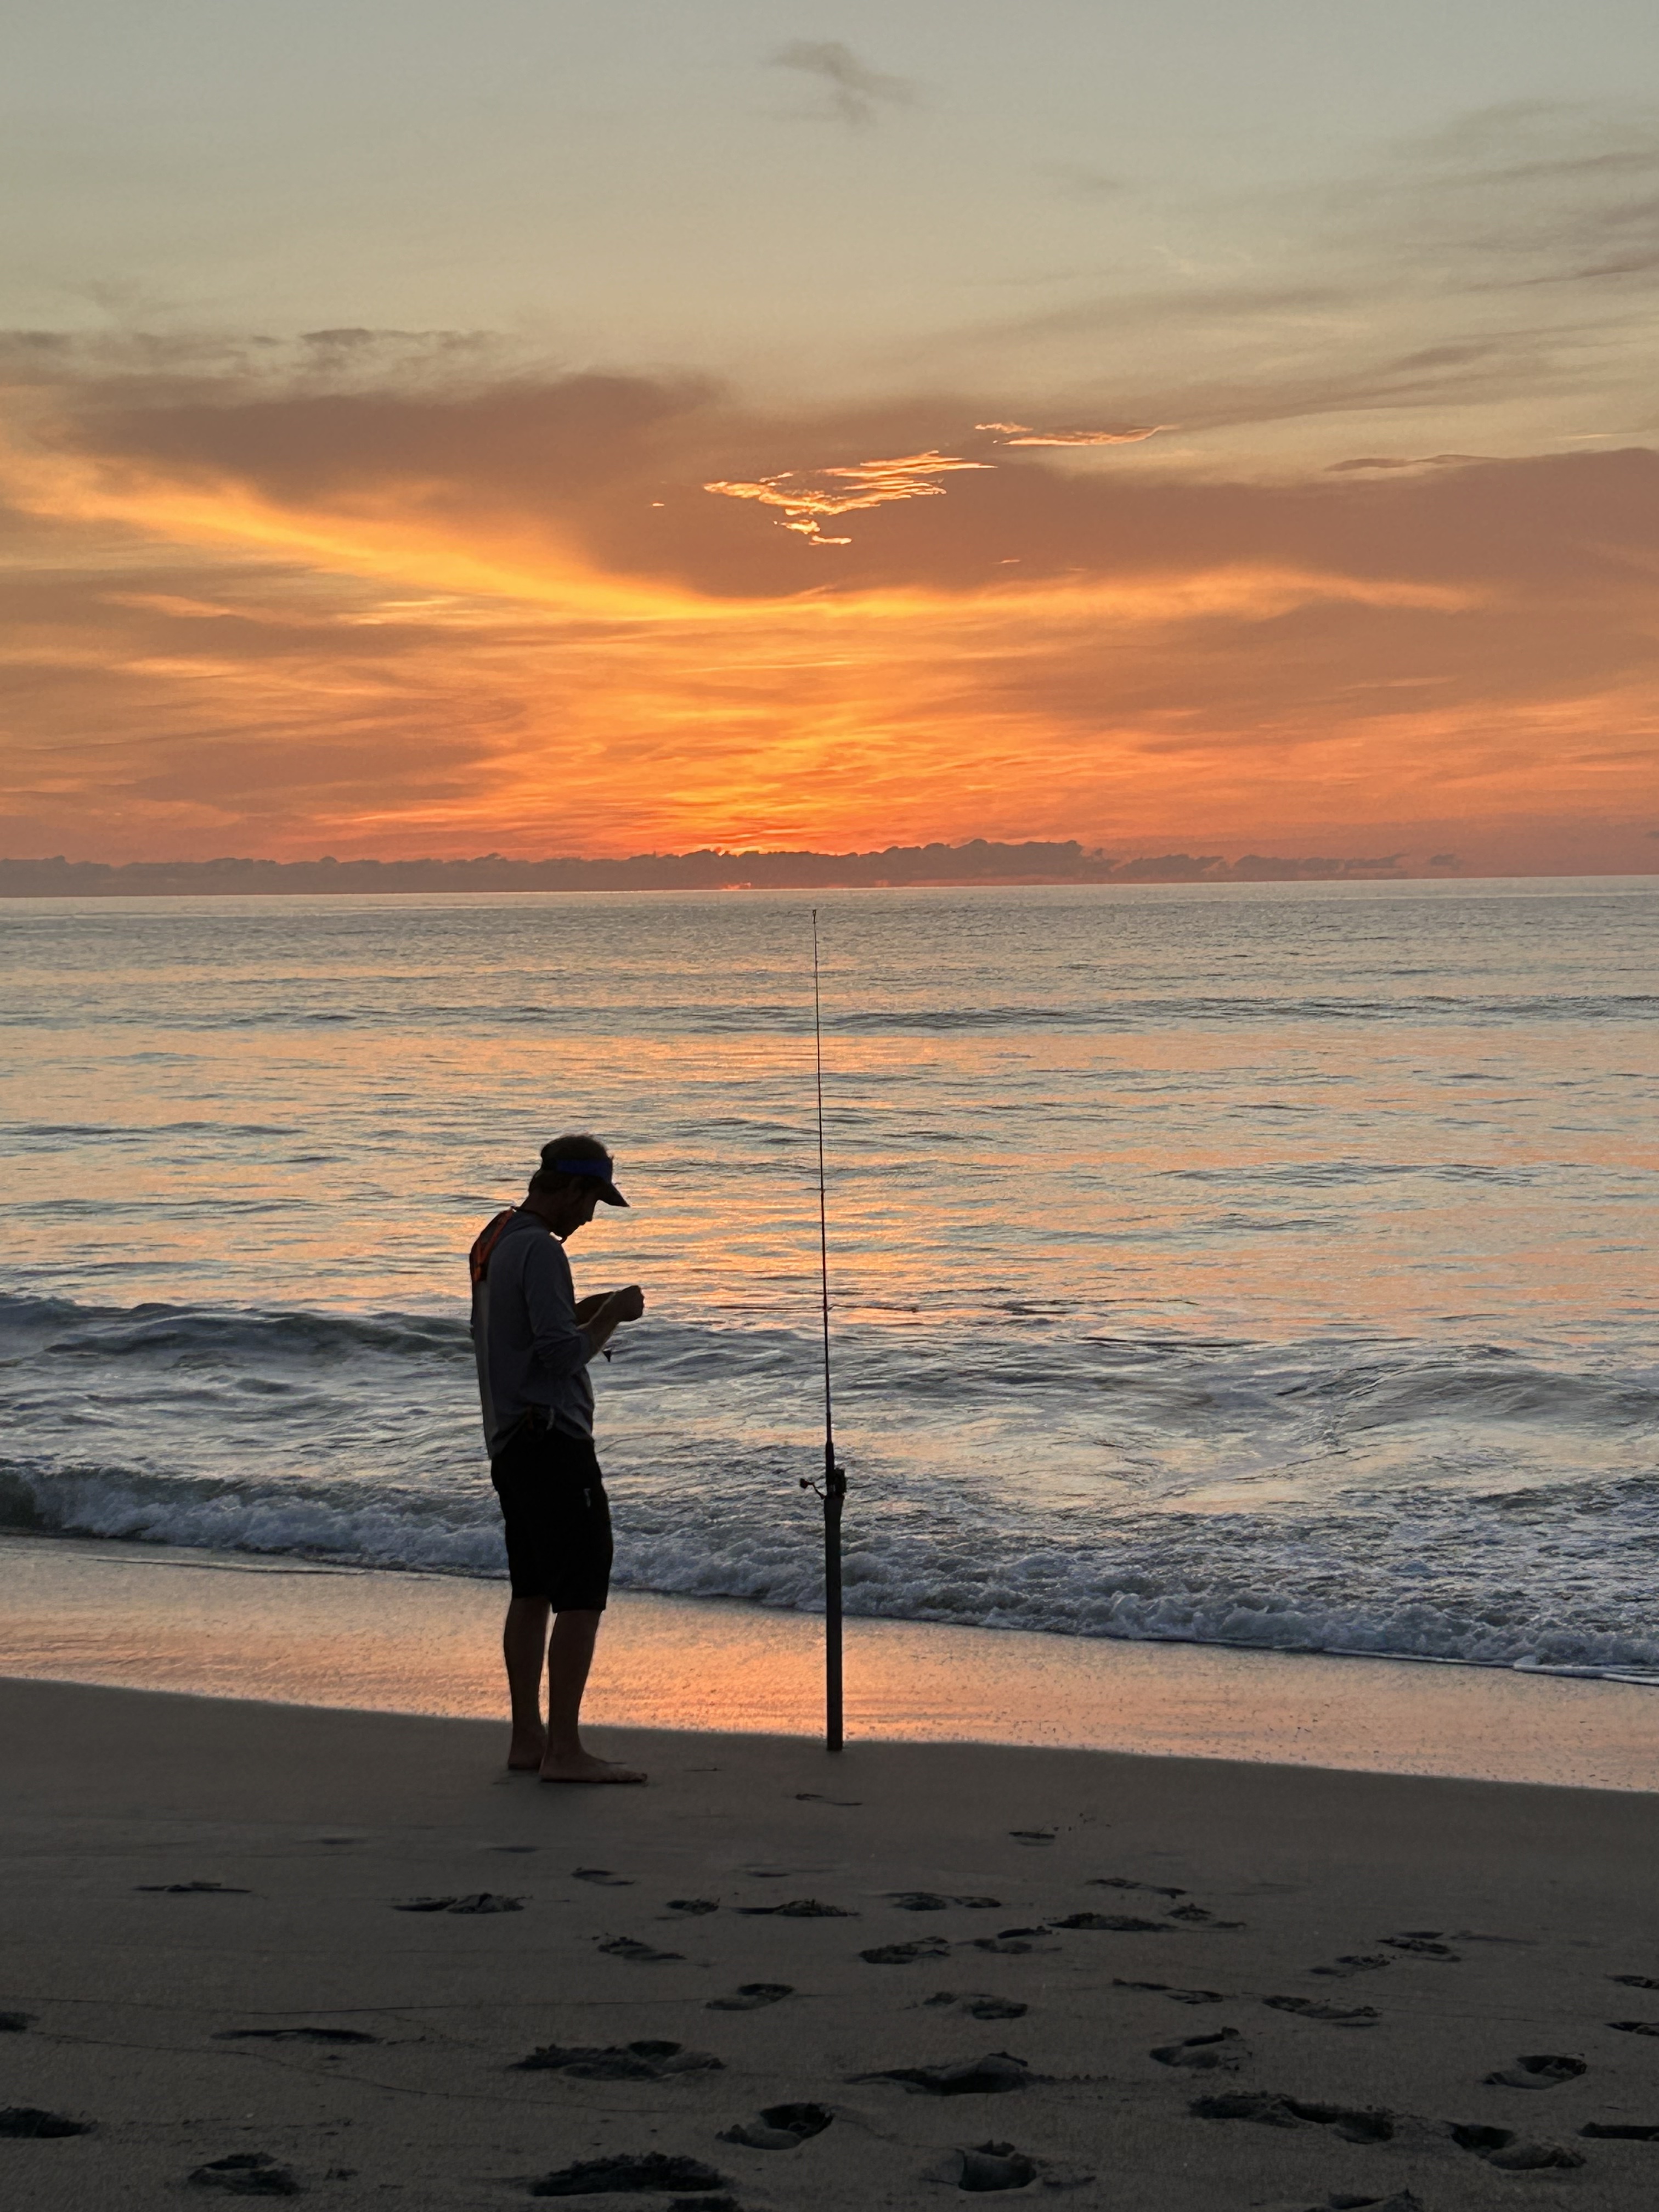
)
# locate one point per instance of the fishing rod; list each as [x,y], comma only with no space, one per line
[834,1492]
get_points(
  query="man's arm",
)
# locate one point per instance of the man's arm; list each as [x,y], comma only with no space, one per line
[568,1334]
[609,1314]
[560,1346]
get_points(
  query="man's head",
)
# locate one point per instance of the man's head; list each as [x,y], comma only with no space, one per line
[576,1175]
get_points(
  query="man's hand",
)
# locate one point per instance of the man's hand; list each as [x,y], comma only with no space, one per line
[610,1313]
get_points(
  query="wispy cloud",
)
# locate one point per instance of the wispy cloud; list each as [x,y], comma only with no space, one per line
[1513,198]
[852,92]
[1490,272]
[809,497]
[1022,433]
[1374,463]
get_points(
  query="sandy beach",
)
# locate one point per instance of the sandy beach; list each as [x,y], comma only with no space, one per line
[256,1949]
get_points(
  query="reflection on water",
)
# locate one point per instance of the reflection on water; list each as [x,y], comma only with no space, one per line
[1269,1263]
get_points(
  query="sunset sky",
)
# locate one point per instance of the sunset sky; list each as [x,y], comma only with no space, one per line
[558,428]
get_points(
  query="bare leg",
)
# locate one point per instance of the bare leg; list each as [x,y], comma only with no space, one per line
[523,1647]
[569,1655]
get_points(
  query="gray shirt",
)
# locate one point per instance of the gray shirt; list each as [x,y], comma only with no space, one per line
[529,1350]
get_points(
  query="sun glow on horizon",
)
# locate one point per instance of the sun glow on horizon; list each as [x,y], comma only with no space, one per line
[424,661]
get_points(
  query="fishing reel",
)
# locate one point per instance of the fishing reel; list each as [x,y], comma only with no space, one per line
[834,1484]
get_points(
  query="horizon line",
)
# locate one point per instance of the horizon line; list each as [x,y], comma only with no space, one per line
[975,861]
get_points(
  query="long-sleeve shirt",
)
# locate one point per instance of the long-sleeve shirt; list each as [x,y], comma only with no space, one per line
[529,1349]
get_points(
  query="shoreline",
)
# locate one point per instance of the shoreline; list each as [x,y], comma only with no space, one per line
[317,1636]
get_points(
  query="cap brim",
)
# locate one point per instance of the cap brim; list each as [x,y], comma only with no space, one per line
[610,1195]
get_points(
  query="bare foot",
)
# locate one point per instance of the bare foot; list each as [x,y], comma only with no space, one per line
[526,1752]
[582,1766]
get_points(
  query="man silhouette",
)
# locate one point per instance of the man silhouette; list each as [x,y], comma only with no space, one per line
[533,1339]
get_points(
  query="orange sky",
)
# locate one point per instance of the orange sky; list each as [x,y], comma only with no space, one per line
[533,616]
[1185,434]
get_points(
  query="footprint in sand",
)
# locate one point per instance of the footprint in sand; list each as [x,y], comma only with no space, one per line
[906,1954]
[1013,1942]
[1118,1923]
[27,2123]
[1352,1962]
[691,1908]
[779,2127]
[190,1889]
[1543,2071]
[978,2008]
[928,1900]
[1270,2110]
[14,2023]
[1422,1944]
[295,2035]
[1509,2152]
[246,2173]
[646,2061]
[1034,1835]
[991,2166]
[1332,2015]
[656,2170]
[751,1996]
[1176,1996]
[1122,1882]
[1204,2053]
[481,1900]
[1635,2027]
[801,1908]
[1622,2131]
[1635,1981]
[602,1876]
[643,1955]
[991,2077]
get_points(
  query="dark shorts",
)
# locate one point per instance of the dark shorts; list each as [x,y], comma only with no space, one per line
[557,1520]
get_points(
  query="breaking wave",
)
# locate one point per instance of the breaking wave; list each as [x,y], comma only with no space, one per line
[1418,1508]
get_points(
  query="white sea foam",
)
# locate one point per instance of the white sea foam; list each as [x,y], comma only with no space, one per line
[1236,1583]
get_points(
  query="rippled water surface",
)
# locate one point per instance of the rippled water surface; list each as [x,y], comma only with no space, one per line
[1269,1264]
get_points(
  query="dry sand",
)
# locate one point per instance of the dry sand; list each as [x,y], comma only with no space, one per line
[292,2015]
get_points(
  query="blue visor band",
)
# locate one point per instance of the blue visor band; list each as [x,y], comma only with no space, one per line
[601,1169]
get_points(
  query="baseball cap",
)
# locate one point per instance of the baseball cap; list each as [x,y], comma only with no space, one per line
[586,1157]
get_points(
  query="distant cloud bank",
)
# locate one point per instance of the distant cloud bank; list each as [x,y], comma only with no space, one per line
[981,860]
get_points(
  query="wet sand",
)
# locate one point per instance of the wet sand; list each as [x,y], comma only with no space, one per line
[303,1632]
[1158,1983]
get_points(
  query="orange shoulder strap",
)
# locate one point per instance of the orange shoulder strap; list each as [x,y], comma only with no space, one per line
[478,1260]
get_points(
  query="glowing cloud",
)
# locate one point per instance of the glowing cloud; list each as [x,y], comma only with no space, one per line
[807,494]
[1021,433]
[245,614]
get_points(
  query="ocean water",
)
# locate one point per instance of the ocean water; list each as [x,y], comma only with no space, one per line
[1268,1265]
